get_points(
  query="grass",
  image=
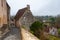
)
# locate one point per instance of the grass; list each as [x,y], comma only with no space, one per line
[53,37]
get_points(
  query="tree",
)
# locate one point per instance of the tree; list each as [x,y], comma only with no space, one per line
[36,28]
[57,21]
[52,20]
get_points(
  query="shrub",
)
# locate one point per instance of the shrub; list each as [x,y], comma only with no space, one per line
[59,31]
[53,38]
[36,27]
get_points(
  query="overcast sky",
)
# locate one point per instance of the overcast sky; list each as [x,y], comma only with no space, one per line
[38,7]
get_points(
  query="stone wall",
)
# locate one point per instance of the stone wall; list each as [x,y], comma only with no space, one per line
[3,12]
[27,35]
[3,17]
[27,19]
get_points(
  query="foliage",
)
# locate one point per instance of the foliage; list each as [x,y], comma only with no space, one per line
[59,32]
[52,20]
[57,23]
[53,38]
[36,27]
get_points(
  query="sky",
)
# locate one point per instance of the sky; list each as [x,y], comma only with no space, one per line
[38,7]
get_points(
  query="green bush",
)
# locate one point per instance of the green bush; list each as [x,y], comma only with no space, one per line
[53,38]
[36,27]
[59,31]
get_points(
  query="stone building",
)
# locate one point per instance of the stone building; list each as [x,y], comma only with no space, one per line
[4,16]
[24,17]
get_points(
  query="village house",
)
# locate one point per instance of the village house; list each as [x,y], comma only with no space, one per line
[24,17]
[4,16]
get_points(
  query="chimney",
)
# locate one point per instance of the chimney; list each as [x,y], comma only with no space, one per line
[28,6]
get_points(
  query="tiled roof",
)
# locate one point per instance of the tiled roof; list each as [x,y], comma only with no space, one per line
[20,13]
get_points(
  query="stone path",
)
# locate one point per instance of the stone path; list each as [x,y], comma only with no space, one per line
[15,35]
[12,35]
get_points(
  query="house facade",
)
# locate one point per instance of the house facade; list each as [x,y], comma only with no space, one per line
[4,12]
[4,15]
[24,17]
